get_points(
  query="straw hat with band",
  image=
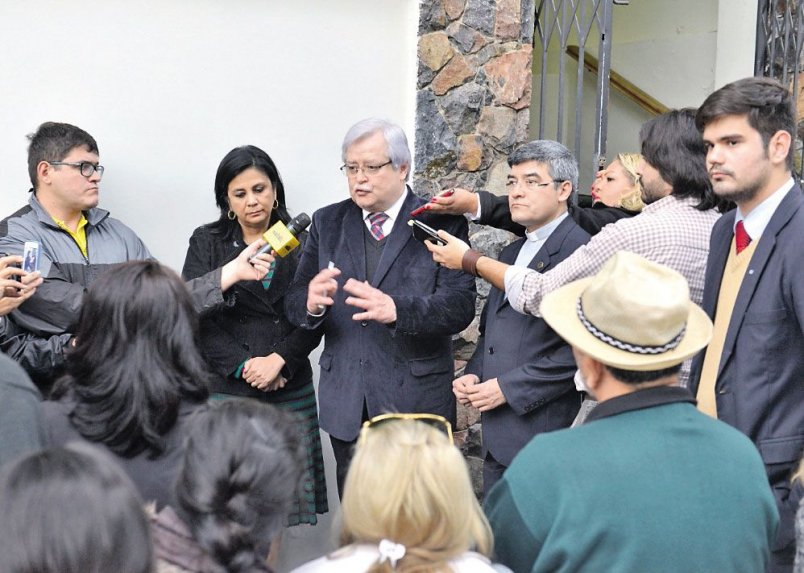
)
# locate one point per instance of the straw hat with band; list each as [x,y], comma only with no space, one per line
[633,314]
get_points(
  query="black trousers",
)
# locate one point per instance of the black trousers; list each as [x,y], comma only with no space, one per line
[344,451]
[492,472]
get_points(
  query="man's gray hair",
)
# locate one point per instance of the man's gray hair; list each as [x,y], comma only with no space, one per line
[560,161]
[395,140]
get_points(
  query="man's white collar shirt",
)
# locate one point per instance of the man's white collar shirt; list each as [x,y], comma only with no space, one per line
[759,217]
[535,240]
[392,212]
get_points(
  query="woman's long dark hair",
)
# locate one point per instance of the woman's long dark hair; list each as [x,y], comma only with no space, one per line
[239,498]
[136,358]
[71,510]
[233,164]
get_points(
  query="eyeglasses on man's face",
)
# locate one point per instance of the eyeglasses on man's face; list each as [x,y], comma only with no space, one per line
[439,422]
[351,169]
[86,168]
[530,184]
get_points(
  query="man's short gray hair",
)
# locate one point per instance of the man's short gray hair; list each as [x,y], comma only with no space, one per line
[560,161]
[395,140]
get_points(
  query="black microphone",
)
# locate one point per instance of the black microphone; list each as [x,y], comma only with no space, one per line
[282,238]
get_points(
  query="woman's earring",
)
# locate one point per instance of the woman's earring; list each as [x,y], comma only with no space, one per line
[276,203]
[231,215]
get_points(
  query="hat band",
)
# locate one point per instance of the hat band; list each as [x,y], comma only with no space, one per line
[627,346]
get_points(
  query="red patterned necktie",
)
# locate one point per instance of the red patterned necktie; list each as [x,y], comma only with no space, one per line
[741,238]
[376,220]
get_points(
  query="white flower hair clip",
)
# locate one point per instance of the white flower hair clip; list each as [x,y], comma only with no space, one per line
[390,551]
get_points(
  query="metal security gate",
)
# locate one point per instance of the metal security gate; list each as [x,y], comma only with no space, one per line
[780,35]
[564,29]
[780,30]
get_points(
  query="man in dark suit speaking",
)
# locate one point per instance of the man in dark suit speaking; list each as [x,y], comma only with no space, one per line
[388,312]
[521,375]
[752,374]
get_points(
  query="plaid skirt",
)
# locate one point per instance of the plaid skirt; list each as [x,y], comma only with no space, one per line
[301,401]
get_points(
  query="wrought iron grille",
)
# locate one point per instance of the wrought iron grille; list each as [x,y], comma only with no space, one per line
[780,35]
[561,25]
[780,31]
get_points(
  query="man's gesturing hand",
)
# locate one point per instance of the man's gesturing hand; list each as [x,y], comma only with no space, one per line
[321,290]
[376,304]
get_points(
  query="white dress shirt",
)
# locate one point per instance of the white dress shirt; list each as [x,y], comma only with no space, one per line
[392,212]
[759,217]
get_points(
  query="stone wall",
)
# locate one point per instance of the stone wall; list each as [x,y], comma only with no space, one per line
[473,93]
[473,98]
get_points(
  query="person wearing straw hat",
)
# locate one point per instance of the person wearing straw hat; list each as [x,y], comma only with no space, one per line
[649,483]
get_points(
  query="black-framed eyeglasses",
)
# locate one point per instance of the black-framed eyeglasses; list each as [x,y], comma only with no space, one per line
[368,170]
[439,422]
[532,184]
[86,168]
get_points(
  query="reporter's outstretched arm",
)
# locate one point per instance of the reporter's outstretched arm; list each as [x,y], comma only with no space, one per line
[457,255]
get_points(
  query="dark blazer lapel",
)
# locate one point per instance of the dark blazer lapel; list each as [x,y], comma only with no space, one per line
[507,256]
[767,243]
[541,261]
[279,282]
[255,290]
[719,247]
[551,247]
[352,230]
[231,248]
[396,241]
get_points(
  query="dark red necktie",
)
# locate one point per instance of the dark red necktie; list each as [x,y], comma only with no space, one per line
[741,238]
[376,220]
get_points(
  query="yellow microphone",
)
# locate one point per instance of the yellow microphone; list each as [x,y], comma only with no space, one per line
[282,238]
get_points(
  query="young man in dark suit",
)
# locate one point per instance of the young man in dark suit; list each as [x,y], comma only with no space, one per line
[521,375]
[752,374]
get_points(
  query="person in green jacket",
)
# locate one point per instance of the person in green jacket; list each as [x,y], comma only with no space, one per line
[648,483]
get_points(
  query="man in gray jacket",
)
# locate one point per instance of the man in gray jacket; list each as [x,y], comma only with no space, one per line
[77,241]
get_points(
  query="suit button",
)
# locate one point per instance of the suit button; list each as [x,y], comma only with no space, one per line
[491,350]
[276,320]
[364,323]
[245,346]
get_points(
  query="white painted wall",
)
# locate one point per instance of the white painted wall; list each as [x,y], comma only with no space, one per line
[736,40]
[667,48]
[168,87]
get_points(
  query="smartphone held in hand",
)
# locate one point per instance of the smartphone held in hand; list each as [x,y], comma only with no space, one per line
[424,232]
[30,257]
